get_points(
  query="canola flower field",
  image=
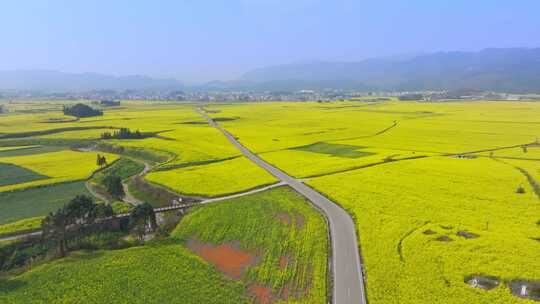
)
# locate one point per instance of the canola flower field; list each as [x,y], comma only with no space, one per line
[432,187]
[214,179]
[439,192]
[61,166]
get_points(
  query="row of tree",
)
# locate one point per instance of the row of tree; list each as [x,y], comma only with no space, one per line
[101,161]
[72,220]
[123,133]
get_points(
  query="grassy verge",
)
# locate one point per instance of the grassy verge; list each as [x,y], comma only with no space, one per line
[22,226]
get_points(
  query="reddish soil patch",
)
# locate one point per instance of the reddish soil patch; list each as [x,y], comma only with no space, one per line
[285,218]
[285,292]
[283,262]
[263,294]
[226,257]
[300,222]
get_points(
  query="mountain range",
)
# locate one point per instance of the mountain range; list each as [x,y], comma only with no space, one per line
[507,70]
[515,70]
[54,81]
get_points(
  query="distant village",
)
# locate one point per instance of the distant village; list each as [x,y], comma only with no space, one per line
[300,95]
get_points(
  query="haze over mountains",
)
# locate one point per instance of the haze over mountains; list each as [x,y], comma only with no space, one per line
[514,70]
[54,81]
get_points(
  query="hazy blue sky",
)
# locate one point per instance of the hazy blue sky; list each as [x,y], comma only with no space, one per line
[196,40]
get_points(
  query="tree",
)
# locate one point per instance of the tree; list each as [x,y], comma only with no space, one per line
[114,186]
[142,219]
[81,110]
[124,133]
[104,210]
[81,211]
[54,228]
[101,161]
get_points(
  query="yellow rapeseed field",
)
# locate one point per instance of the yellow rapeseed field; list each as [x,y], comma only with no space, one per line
[61,166]
[214,179]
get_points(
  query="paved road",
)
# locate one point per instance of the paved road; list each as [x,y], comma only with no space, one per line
[348,279]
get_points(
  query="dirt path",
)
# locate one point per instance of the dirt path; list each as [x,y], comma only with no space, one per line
[92,189]
[346,266]
[128,197]
[394,124]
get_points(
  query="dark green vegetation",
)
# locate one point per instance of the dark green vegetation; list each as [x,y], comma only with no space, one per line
[114,187]
[109,103]
[72,220]
[339,150]
[12,174]
[141,220]
[30,151]
[155,195]
[48,132]
[110,179]
[81,110]
[122,168]
[124,133]
[16,205]
[78,224]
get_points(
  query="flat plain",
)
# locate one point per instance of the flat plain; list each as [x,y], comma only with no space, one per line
[439,192]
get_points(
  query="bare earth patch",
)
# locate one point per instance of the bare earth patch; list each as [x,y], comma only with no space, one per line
[263,294]
[467,235]
[285,218]
[300,222]
[444,238]
[429,232]
[228,258]
[283,262]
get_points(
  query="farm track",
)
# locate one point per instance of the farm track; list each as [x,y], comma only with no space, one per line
[367,136]
[92,189]
[366,166]
[161,209]
[348,278]
[128,197]
[425,156]
[532,182]
[491,149]
[400,243]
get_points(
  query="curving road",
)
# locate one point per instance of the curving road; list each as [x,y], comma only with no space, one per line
[348,279]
